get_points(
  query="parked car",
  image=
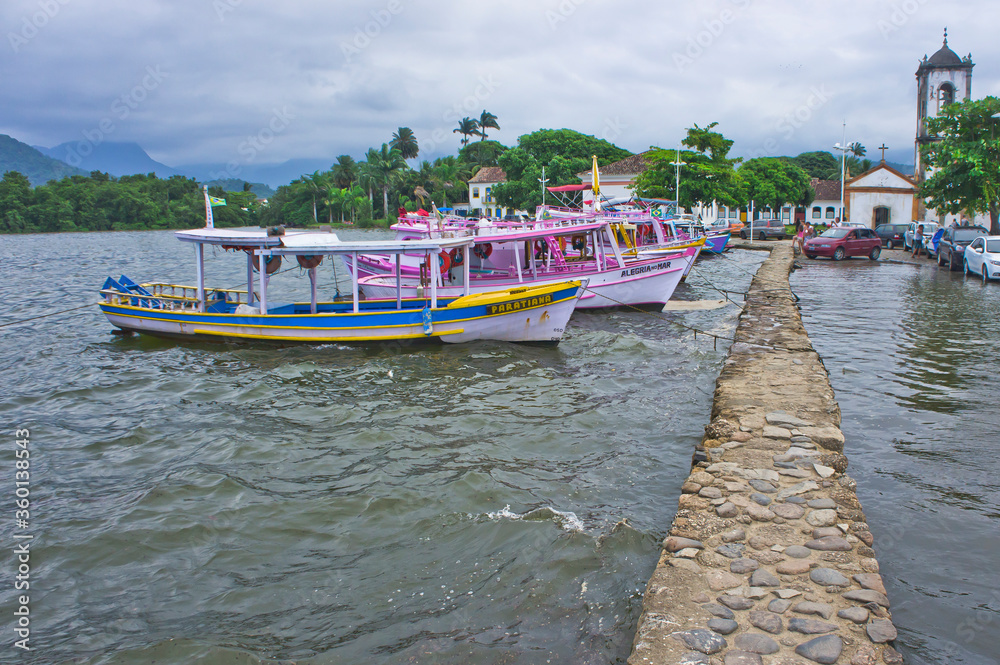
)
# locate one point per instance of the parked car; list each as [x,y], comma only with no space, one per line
[929,229]
[891,234]
[762,229]
[982,257]
[951,246]
[843,241]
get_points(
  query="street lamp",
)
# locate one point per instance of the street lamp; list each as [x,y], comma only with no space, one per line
[543,180]
[843,168]
[677,189]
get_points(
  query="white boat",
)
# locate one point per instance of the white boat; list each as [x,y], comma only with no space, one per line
[523,313]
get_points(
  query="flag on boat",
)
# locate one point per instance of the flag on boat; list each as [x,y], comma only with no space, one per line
[216,202]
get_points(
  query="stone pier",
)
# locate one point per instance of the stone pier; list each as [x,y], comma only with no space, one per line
[769,559]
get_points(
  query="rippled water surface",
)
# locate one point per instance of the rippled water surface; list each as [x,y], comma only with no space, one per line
[482,503]
[914,356]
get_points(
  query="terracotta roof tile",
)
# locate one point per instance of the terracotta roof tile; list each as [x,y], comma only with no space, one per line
[631,165]
[489,174]
[826,190]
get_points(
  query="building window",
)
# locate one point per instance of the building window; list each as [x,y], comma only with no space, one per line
[817,212]
[489,195]
[786,213]
[947,93]
[733,212]
[829,212]
[475,192]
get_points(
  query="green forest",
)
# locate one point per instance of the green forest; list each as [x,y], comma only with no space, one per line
[369,192]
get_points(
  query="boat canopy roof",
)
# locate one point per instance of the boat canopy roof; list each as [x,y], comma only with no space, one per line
[314,242]
[570,188]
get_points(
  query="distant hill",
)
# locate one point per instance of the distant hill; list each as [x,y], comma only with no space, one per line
[261,190]
[37,167]
[274,175]
[113,158]
[905,169]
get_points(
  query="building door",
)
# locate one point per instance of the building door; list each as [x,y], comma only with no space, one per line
[881,215]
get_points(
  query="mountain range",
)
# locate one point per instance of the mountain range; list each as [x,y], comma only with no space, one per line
[116,158]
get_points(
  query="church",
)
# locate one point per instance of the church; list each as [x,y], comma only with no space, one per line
[883,194]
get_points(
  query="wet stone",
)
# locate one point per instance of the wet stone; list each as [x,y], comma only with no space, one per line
[819,609]
[829,544]
[719,611]
[755,643]
[867,596]
[881,631]
[764,577]
[766,621]
[710,492]
[797,552]
[763,486]
[734,535]
[810,626]
[825,650]
[743,566]
[761,499]
[822,503]
[821,518]
[788,511]
[723,626]
[736,602]
[871,581]
[828,577]
[727,510]
[737,657]
[855,614]
[891,657]
[779,606]
[759,513]
[794,567]
[701,640]
[733,551]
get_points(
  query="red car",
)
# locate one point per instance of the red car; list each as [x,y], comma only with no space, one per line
[843,241]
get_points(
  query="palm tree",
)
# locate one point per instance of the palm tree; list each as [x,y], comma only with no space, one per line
[404,141]
[467,127]
[486,120]
[857,149]
[421,194]
[385,165]
[344,172]
[332,198]
[315,186]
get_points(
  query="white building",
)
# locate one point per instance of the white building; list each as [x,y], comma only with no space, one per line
[882,195]
[617,177]
[481,199]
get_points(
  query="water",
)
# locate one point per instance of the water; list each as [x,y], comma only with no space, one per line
[478,503]
[913,355]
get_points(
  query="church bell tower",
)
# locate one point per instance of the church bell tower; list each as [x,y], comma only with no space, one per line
[941,79]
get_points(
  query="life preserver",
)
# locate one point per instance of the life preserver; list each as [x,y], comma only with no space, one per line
[271,264]
[562,244]
[444,262]
[540,249]
[483,251]
[457,257]
[579,243]
[309,261]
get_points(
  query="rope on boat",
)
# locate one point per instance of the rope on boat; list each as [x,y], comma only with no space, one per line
[43,316]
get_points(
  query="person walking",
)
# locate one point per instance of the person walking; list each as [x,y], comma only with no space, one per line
[798,241]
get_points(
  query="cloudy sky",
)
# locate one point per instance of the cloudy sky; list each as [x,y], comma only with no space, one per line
[196,81]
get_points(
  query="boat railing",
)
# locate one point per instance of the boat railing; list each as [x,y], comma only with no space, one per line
[165,296]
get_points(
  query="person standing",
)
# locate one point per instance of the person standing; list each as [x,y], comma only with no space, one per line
[918,241]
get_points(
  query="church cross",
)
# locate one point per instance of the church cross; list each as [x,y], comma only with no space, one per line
[883,148]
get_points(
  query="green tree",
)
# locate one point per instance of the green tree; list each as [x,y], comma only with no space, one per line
[965,161]
[466,127]
[707,171]
[486,121]
[774,182]
[344,172]
[385,165]
[818,164]
[404,141]
[545,144]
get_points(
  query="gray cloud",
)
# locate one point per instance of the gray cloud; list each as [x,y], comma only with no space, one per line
[780,77]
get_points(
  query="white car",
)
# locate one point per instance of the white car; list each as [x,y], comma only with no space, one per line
[982,257]
[853,225]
